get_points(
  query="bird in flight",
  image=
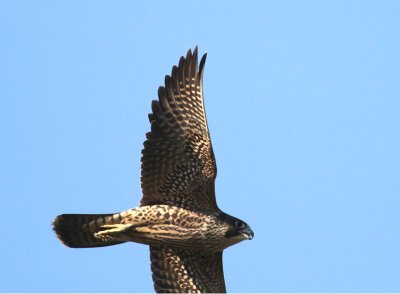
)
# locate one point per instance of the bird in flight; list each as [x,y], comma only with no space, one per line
[178,215]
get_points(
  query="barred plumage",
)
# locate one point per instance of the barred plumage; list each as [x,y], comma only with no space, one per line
[178,214]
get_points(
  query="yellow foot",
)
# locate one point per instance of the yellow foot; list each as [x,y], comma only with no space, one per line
[112,231]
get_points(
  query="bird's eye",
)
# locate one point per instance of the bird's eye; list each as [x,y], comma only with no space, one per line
[239,224]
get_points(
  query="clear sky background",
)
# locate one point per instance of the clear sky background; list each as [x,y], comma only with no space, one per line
[303,104]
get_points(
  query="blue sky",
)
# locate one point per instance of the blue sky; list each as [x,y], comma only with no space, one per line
[303,105]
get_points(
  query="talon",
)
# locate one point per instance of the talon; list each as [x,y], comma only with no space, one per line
[102,236]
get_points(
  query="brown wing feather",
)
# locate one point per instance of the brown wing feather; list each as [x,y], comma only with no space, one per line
[184,271]
[178,163]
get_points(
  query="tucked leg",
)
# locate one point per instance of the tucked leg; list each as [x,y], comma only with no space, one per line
[112,231]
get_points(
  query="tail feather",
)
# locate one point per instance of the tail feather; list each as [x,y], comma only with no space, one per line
[73,230]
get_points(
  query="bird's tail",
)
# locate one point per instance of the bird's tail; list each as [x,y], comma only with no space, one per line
[77,230]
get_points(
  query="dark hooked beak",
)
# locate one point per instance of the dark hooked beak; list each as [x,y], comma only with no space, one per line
[247,233]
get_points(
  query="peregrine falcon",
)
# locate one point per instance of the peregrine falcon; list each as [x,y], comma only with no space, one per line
[178,216]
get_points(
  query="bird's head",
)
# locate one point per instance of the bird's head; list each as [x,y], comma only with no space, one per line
[236,229]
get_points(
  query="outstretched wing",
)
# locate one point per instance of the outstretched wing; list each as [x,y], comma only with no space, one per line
[178,163]
[184,271]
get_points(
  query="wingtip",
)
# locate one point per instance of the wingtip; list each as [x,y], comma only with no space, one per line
[202,63]
[195,54]
[189,54]
[203,59]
